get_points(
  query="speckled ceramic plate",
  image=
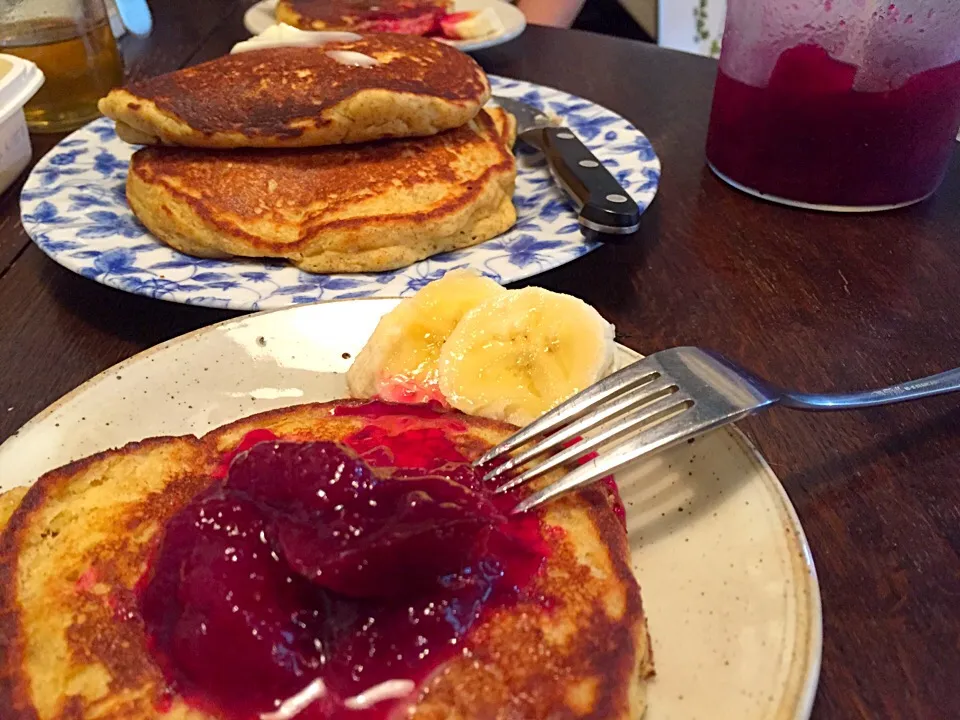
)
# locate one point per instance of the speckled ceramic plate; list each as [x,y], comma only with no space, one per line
[728,582]
[262,15]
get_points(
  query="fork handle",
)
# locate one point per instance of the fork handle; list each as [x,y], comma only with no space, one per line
[945,382]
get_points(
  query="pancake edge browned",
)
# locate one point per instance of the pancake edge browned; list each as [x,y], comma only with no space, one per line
[481,211]
[351,112]
[14,687]
[9,502]
[140,122]
[627,668]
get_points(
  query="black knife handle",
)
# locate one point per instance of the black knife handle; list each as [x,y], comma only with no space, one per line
[605,207]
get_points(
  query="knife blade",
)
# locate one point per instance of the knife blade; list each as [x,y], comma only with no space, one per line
[604,207]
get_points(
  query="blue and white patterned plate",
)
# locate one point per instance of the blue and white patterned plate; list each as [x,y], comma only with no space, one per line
[74,207]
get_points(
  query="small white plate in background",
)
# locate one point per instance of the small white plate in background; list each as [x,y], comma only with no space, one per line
[262,15]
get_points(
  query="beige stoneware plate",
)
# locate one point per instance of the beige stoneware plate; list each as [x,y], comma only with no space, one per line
[728,582]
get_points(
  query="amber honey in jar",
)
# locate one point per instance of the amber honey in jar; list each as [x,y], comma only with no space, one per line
[76,51]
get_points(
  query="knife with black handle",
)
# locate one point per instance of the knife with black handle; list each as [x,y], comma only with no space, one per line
[604,206]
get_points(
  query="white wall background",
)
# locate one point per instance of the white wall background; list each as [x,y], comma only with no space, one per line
[691,25]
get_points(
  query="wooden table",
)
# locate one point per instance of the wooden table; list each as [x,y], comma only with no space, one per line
[816,302]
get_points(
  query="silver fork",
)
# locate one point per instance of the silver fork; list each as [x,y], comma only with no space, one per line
[656,402]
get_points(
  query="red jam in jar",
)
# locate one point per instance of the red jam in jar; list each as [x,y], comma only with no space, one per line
[811,136]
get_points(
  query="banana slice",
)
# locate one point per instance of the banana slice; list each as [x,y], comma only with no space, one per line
[399,361]
[521,353]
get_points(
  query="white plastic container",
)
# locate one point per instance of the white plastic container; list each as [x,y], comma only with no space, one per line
[19,80]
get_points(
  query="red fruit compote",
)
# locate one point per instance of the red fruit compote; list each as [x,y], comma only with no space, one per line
[820,130]
[328,580]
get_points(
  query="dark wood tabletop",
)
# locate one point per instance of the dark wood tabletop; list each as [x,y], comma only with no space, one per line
[813,301]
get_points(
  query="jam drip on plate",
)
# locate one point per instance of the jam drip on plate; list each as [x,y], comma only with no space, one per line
[324,580]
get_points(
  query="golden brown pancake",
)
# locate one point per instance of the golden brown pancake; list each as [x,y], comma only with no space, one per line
[74,646]
[9,502]
[303,97]
[358,208]
[415,15]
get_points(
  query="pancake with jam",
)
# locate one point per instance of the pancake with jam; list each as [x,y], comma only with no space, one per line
[412,17]
[320,561]
[358,208]
[379,86]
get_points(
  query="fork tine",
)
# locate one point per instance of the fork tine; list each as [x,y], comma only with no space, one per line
[625,378]
[660,436]
[652,412]
[643,395]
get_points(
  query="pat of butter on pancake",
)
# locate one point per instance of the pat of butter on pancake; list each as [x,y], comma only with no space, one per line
[349,57]
[284,35]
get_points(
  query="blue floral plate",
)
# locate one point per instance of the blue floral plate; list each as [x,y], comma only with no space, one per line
[73,206]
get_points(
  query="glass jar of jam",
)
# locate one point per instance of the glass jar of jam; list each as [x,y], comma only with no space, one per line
[844,105]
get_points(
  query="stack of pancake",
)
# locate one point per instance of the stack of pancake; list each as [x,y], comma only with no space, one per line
[363,154]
